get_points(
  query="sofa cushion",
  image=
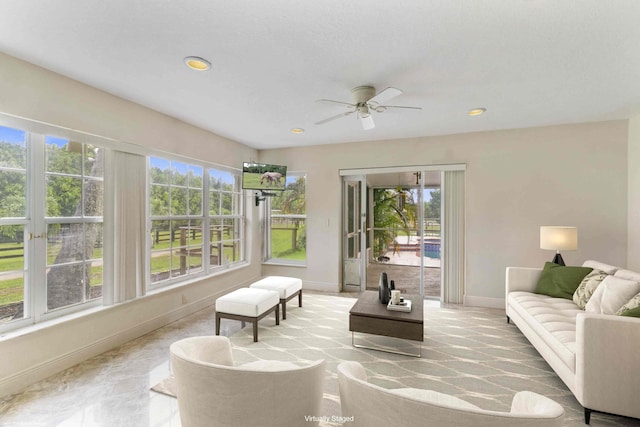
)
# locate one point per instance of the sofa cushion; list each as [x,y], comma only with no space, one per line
[634,302]
[559,281]
[587,287]
[553,320]
[597,265]
[612,294]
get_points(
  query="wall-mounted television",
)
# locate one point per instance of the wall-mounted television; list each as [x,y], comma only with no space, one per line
[261,176]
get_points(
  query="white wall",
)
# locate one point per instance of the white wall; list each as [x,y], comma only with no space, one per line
[517,180]
[34,93]
[633,255]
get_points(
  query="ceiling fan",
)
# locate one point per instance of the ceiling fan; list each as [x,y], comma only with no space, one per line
[365,101]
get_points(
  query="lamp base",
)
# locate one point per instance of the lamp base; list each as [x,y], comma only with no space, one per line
[558,259]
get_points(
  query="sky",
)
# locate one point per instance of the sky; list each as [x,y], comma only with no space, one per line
[11,135]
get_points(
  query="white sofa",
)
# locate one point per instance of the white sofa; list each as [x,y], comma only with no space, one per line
[596,355]
[367,405]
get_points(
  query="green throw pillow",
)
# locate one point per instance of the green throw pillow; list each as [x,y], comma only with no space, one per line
[634,312]
[560,282]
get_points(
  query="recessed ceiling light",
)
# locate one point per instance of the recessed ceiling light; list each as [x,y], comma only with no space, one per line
[476,111]
[197,63]
[297,130]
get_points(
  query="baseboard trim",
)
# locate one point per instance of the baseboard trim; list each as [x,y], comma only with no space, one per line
[474,301]
[21,380]
[320,286]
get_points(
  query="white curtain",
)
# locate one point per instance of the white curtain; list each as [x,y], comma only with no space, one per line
[125,238]
[453,233]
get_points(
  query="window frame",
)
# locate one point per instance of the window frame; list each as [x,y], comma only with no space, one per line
[35,225]
[206,220]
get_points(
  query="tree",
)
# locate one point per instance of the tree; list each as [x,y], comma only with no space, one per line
[432,207]
[386,217]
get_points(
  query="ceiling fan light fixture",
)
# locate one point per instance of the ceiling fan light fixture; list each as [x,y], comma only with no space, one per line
[381,109]
[477,111]
[197,63]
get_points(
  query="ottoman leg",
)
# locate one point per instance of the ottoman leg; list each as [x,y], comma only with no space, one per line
[217,323]
[284,308]
[278,314]
[300,298]
[255,330]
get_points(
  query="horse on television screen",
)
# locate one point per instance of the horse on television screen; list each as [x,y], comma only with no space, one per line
[271,178]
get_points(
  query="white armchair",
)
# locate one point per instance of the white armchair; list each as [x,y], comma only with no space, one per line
[374,406]
[211,391]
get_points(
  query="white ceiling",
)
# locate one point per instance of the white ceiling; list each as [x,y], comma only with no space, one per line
[529,62]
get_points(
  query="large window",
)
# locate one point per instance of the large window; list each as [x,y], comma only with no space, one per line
[51,198]
[185,241]
[52,193]
[287,231]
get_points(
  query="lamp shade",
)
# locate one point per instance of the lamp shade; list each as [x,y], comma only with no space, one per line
[559,238]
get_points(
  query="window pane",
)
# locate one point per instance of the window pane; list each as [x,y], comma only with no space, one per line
[11,296]
[220,180]
[178,173]
[95,279]
[65,243]
[63,196]
[66,285]
[93,191]
[13,149]
[178,201]
[160,234]
[195,202]
[195,246]
[161,256]
[94,239]
[94,161]
[63,156]
[13,196]
[227,203]
[159,170]
[216,230]
[214,203]
[195,176]
[159,200]
[288,238]
[12,267]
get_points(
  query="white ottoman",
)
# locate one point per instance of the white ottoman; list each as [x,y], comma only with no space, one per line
[287,287]
[247,305]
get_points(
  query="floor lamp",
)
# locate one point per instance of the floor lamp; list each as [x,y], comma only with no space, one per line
[558,238]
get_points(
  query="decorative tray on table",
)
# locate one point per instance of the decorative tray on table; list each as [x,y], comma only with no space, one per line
[402,306]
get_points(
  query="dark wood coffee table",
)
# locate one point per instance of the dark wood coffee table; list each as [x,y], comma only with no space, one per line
[369,316]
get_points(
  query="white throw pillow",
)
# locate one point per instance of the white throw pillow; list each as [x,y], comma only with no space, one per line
[596,265]
[612,294]
[628,275]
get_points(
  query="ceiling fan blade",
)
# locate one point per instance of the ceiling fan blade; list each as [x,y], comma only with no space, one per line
[330,101]
[337,116]
[367,122]
[400,106]
[386,95]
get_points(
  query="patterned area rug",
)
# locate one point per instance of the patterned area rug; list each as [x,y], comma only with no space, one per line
[470,353]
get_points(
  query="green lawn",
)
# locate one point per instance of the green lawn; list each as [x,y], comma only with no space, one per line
[281,246]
